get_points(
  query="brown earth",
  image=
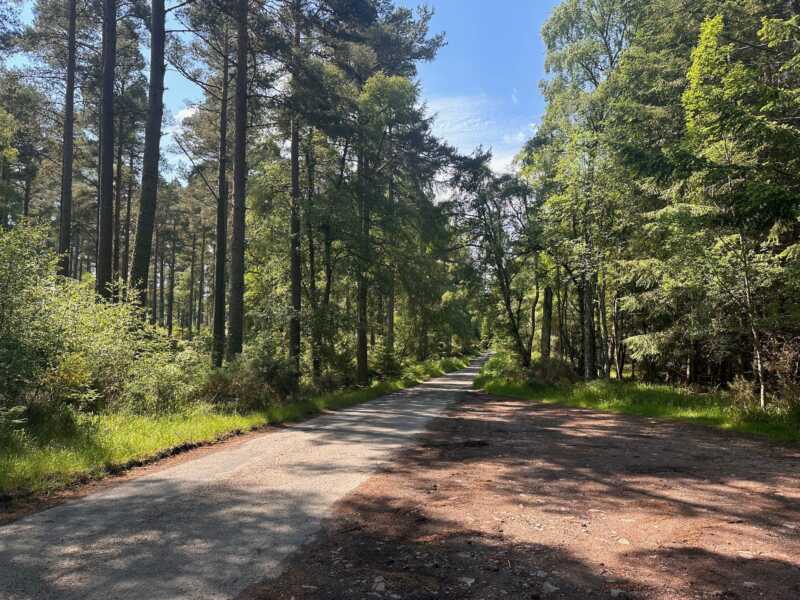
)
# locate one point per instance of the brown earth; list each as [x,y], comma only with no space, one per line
[508,499]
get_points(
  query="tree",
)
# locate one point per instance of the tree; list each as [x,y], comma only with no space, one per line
[105,231]
[236,301]
[65,213]
[148,197]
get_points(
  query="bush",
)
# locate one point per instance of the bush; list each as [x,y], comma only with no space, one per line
[551,371]
[256,379]
[29,342]
[162,383]
[60,345]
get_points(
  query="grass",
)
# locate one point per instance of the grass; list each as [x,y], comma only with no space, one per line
[499,378]
[72,447]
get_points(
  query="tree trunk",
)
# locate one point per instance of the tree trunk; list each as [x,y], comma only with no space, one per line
[294,219]
[294,248]
[105,230]
[236,328]
[388,343]
[153,297]
[190,315]
[547,322]
[313,292]
[127,248]
[161,261]
[171,295]
[534,306]
[65,211]
[117,216]
[362,371]
[201,284]
[589,367]
[26,199]
[221,239]
[148,196]
[619,346]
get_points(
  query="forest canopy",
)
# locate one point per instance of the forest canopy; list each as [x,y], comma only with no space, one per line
[320,236]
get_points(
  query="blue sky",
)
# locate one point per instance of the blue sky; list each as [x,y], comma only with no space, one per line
[483,86]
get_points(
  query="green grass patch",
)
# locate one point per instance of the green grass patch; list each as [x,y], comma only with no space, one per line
[59,450]
[645,400]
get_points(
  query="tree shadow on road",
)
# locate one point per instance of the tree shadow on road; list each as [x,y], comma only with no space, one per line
[162,542]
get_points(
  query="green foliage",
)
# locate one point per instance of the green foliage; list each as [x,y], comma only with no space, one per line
[28,339]
[63,445]
[722,411]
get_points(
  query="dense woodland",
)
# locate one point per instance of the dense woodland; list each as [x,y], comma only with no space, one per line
[320,236]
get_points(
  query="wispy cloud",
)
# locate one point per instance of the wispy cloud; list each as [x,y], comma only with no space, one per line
[514,96]
[467,122]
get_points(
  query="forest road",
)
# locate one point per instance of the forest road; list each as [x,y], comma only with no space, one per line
[208,528]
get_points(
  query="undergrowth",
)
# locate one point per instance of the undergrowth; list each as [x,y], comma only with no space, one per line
[56,449]
[501,376]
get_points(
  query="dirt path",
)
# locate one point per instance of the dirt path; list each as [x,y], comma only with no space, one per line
[209,527]
[506,499]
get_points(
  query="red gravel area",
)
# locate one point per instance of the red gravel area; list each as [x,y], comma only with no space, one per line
[508,499]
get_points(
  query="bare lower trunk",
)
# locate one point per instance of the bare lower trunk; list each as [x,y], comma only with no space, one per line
[221,236]
[589,367]
[190,315]
[547,321]
[106,198]
[201,274]
[171,296]
[294,255]
[236,301]
[65,212]
[148,197]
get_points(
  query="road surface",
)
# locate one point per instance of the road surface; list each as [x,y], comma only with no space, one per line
[210,527]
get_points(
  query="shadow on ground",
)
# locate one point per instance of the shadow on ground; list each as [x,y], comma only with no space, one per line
[506,499]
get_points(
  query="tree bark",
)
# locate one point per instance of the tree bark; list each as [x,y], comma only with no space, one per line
[218,349]
[171,296]
[589,366]
[201,284]
[160,259]
[153,297]
[127,248]
[313,292]
[236,301]
[294,252]
[26,200]
[106,199]
[190,315]
[294,234]
[115,270]
[547,322]
[65,211]
[148,196]
[388,343]
[362,369]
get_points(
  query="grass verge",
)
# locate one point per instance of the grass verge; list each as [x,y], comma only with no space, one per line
[74,447]
[645,400]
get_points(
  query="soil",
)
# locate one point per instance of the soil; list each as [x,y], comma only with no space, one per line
[509,499]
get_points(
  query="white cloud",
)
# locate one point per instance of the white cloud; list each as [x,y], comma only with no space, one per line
[467,122]
[514,96]
[185,113]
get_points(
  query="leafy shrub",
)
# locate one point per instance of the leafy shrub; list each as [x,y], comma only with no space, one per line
[551,371]
[256,379]
[28,341]
[163,382]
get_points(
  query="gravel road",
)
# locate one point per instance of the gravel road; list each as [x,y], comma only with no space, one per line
[210,527]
